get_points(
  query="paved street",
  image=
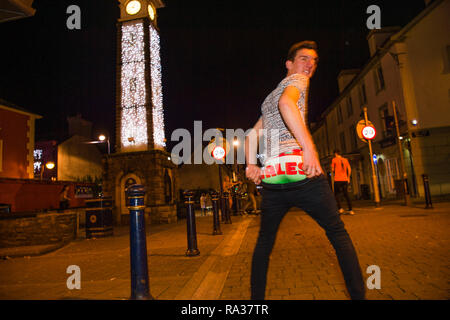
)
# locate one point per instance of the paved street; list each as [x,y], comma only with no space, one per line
[409,245]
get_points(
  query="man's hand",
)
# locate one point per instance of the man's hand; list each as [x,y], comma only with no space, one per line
[311,164]
[253,172]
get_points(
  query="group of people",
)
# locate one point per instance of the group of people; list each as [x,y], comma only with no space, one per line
[205,203]
[247,187]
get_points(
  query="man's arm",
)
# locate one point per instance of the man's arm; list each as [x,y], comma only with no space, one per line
[293,119]
[252,171]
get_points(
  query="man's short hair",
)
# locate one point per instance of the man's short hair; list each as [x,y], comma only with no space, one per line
[301,45]
[337,151]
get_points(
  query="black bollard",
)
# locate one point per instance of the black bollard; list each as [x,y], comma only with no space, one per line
[190,223]
[215,201]
[243,199]
[138,244]
[238,204]
[235,205]
[222,207]
[426,187]
[226,207]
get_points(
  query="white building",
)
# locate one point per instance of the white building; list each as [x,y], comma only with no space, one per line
[411,67]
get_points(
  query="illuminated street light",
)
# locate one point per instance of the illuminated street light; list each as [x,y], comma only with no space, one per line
[50,165]
[102,138]
[414,122]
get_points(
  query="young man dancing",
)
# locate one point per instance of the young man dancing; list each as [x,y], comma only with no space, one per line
[292,175]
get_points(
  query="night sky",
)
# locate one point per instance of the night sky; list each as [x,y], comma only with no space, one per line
[220,59]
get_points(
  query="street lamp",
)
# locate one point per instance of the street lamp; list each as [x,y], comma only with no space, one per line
[102,138]
[235,173]
[49,165]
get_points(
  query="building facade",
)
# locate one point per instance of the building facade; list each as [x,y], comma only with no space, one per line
[17,129]
[408,67]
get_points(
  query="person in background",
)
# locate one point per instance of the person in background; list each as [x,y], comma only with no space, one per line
[64,198]
[208,203]
[203,204]
[342,171]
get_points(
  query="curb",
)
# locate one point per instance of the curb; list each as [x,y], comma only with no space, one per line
[21,252]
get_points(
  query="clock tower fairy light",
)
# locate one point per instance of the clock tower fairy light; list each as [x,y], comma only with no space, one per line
[140,156]
[140,108]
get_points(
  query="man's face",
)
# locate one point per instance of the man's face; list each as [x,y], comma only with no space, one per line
[305,62]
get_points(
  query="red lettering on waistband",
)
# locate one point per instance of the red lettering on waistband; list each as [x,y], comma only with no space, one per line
[279,171]
[290,168]
[270,171]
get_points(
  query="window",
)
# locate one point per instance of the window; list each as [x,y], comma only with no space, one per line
[386,121]
[392,173]
[362,95]
[343,147]
[37,153]
[379,79]
[353,141]
[349,106]
[339,114]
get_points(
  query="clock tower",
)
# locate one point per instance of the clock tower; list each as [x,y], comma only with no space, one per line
[140,156]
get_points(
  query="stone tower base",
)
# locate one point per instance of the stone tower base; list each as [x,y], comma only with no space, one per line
[155,171]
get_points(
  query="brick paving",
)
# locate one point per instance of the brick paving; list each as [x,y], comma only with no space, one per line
[410,245]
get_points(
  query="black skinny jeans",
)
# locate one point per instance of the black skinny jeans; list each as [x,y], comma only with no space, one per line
[316,198]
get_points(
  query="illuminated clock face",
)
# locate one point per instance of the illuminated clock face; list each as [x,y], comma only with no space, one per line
[133,7]
[151,12]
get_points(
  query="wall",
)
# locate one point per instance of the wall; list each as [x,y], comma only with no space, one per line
[14,134]
[426,46]
[26,195]
[37,229]
[427,64]
[147,168]
[200,176]
[77,160]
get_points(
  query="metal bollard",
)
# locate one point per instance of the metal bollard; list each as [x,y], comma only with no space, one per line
[215,201]
[238,204]
[227,209]
[243,199]
[235,206]
[138,244]
[222,207]
[426,187]
[190,223]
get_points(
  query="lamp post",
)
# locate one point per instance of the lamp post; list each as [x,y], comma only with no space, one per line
[374,177]
[49,165]
[102,138]
[402,160]
[235,144]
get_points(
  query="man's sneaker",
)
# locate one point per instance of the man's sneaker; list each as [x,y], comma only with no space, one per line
[341,211]
[350,212]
